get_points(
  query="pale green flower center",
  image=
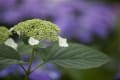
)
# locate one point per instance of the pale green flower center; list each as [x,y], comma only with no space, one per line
[38,29]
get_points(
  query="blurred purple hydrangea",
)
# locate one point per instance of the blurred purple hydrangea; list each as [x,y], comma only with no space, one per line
[47,72]
[77,19]
[7,4]
[7,71]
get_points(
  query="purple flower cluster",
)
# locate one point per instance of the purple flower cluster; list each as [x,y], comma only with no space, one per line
[7,71]
[47,72]
[84,21]
[77,18]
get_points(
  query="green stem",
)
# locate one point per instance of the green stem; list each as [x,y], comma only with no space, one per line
[26,77]
[28,72]
[31,60]
[23,67]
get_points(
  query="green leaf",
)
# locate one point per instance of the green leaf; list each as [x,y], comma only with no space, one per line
[8,56]
[75,56]
[24,48]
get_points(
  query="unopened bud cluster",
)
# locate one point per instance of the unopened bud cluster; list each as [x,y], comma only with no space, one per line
[38,29]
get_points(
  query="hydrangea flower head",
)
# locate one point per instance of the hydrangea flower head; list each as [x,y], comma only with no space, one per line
[38,29]
[4,34]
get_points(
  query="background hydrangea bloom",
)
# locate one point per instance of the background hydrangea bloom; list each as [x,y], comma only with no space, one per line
[47,72]
[7,4]
[84,22]
[8,71]
[77,19]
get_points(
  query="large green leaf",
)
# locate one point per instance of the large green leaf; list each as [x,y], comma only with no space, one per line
[24,48]
[8,56]
[75,56]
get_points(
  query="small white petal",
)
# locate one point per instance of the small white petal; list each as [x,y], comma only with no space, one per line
[63,42]
[11,43]
[33,41]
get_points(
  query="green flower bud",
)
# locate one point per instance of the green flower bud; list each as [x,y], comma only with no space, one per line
[4,34]
[38,29]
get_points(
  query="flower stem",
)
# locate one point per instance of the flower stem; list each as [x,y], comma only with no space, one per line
[23,67]
[26,77]
[28,72]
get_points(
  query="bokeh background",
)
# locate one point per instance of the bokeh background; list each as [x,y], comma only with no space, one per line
[95,23]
